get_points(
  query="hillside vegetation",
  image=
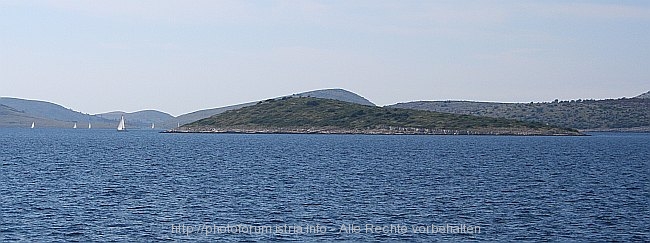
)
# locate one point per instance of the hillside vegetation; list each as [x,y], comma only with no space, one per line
[334,94]
[314,115]
[580,114]
[645,95]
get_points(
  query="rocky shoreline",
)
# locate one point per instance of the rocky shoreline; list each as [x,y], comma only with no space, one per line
[630,129]
[379,131]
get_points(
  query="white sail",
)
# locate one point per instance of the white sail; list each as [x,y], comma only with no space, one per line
[75,125]
[153,126]
[33,123]
[121,127]
[89,126]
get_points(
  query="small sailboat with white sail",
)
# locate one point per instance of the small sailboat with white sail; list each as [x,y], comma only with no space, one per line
[153,126]
[89,126]
[74,126]
[121,127]
[33,124]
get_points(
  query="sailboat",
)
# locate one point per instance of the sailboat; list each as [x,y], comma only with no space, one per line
[74,126]
[89,126]
[33,123]
[121,127]
[153,126]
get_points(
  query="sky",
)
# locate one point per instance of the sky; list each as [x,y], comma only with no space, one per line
[185,55]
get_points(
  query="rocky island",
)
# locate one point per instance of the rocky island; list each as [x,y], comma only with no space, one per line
[621,115]
[327,116]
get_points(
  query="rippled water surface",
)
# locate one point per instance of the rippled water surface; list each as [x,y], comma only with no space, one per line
[101,185]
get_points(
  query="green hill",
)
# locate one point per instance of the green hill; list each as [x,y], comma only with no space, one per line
[314,115]
[334,94]
[581,114]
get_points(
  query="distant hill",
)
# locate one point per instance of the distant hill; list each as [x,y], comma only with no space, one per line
[22,112]
[6,110]
[139,118]
[334,94]
[645,95]
[10,117]
[315,115]
[16,112]
[43,109]
[581,114]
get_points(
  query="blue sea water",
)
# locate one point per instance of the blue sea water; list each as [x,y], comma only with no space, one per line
[101,185]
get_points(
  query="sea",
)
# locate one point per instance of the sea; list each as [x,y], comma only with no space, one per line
[86,185]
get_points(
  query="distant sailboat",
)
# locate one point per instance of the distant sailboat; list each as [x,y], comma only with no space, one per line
[33,123]
[178,124]
[74,126]
[89,126]
[153,126]
[121,127]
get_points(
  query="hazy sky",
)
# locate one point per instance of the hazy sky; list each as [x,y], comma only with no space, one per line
[181,56]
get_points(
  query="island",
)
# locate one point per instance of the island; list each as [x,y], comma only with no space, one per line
[307,115]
